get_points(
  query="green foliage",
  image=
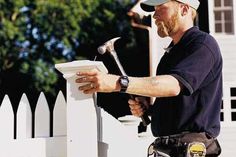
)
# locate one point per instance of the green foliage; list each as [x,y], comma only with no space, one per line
[9,31]
[36,34]
[109,20]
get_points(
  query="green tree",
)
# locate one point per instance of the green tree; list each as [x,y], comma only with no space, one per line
[36,34]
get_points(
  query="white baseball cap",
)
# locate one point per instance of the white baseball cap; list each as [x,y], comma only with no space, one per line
[149,5]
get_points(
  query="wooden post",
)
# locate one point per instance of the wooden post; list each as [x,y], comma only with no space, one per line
[81,113]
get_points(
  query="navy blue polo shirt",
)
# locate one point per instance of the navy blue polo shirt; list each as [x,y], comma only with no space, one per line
[196,62]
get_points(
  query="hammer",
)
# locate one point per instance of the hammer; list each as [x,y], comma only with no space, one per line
[109,47]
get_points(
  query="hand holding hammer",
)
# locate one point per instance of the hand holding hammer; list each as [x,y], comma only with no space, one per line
[109,47]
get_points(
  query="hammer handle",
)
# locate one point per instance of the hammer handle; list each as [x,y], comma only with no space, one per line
[144,117]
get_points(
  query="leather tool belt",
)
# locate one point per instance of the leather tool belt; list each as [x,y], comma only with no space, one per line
[185,145]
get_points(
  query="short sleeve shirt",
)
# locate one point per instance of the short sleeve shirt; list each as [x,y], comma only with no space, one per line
[196,62]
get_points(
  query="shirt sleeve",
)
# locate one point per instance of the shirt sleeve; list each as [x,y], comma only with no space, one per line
[192,71]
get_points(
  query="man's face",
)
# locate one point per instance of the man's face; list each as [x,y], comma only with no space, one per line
[166,16]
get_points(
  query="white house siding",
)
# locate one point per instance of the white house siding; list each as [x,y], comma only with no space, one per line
[228,49]
[227,141]
[227,44]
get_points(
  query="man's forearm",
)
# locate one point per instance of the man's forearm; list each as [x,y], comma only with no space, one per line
[158,86]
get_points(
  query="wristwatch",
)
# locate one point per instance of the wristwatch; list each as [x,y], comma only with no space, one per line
[124,83]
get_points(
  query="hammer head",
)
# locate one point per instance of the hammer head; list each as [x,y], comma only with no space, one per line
[107,46]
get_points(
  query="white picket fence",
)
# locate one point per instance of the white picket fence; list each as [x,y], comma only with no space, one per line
[39,146]
[24,118]
[112,134]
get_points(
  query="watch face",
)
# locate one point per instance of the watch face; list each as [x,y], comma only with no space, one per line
[124,82]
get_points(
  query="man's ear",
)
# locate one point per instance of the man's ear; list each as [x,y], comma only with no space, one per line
[184,9]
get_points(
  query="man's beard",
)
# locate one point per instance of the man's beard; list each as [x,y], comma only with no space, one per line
[167,28]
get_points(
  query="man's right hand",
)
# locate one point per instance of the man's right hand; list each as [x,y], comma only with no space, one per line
[138,106]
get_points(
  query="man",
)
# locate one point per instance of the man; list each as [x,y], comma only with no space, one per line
[188,85]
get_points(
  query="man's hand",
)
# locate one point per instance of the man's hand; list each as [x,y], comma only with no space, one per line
[138,106]
[96,81]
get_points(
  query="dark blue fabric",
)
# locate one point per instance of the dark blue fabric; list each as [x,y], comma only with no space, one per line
[196,62]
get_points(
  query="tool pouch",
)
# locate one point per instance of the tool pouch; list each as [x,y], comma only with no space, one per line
[211,144]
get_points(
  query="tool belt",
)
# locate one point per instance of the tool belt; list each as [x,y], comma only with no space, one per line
[185,145]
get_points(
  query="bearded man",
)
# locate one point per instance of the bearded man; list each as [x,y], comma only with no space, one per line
[185,116]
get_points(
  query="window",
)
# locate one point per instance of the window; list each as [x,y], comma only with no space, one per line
[233,103]
[232,91]
[223,11]
[233,115]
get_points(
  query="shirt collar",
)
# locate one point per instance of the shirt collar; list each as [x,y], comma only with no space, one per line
[182,40]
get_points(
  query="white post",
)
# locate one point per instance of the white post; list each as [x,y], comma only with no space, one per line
[81,113]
